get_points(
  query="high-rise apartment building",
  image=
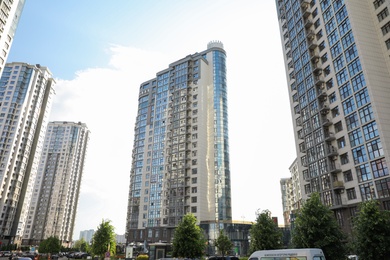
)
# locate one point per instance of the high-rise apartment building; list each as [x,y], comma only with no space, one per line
[87,235]
[25,102]
[337,64]
[181,152]
[53,207]
[11,11]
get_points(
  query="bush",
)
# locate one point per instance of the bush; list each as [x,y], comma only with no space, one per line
[142,257]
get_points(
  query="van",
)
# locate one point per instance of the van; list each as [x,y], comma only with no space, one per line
[289,254]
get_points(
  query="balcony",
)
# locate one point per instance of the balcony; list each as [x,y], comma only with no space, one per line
[315,55]
[317,68]
[306,10]
[319,80]
[312,43]
[329,136]
[325,121]
[338,185]
[308,23]
[324,109]
[321,94]
[335,167]
[331,151]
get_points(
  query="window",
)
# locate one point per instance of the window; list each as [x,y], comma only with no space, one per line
[332,97]
[370,131]
[351,53]
[344,158]
[347,40]
[349,105]
[193,209]
[363,172]
[336,50]
[379,168]
[362,97]
[335,112]
[385,28]
[338,126]
[383,14]
[351,194]
[348,176]
[194,199]
[352,121]
[374,149]
[355,137]
[194,190]
[354,67]
[344,27]
[333,38]
[383,188]
[367,191]
[378,3]
[339,63]
[341,142]
[342,77]
[366,114]
[345,91]
[358,82]
[359,154]
[387,43]
[340,15]
[322,46]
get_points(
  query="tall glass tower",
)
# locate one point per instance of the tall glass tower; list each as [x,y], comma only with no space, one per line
[337,64]
[181,152]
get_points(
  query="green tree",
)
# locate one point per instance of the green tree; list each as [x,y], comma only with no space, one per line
[81,245]
[265,234]
[51,245]
[223,243]
[188,240]
[371,231]
[316,226]
[104,239]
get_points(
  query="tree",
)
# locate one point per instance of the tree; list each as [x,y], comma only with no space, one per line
[371,231]
[50,245]
[265,234]
[223,243]
[81,245]
[188,240]
[315,226]
[104,239]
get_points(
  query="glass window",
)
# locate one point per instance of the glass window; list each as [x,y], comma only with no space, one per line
[330,26]
[359,155]
[349,105]
[345,91]
[355,137]
[354,67]
[374,149]
[366,114]
[379,168]
[351,53]
[358,82]
[336,50]
[378,3]
[383,188]
[347,40]
[352,121]
[367,191]
[385,28]
[370,131]
[351,194]
[348,176]
[363,172]
[344,27]
[340,15]
[339,63]
[362,98]
[383,14]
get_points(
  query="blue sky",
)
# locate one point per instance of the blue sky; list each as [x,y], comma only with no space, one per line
[101,51]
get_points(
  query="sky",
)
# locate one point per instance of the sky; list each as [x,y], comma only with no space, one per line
[101,51]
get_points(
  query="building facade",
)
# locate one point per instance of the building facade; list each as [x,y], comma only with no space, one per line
[181,152]
[336,55]
[53,207]
[87,235]
[25,102]
[11,11]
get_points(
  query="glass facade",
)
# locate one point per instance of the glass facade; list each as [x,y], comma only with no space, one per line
[180,166]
